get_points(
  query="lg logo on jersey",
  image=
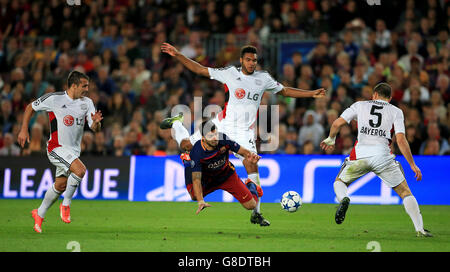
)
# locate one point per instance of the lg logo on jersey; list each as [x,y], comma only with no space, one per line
[69,120]
[240,93]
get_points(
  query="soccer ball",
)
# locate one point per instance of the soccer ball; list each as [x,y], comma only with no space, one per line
[291,201]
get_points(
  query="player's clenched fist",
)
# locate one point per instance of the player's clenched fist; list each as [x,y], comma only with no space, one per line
[319,93]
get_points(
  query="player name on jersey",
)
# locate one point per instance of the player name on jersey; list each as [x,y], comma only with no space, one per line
[373,131]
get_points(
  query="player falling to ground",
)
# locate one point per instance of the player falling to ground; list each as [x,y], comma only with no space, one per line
[244,88]
[210,169]
[377,121]
[67,113]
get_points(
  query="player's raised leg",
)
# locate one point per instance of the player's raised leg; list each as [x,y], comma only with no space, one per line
[77,172]
[412,208]
[180,132]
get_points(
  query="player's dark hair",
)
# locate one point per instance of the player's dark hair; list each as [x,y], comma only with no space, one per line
[383,89]
[206,127]
[248,49]
[75,78]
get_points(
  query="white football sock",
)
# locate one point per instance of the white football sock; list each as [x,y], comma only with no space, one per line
[49,198]
[180,131]
[255,178]
[412,209]
[72,184]
[340,189]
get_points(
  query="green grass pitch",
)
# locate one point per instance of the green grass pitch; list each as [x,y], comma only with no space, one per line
[106,226]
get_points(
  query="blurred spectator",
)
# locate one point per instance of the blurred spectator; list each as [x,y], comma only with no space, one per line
[189,49]
[405,60]
[349,46]
[9,148]
[112,39]
[308,148]
[37,87]
[342,97]
[7,118]
[437,105]
[382,36]
[119,110]
[99,148]
[417,72]
[105,83]
[229,54]
[414,84]
[318,57]
[431,147]
[87,143]
[434,136]
[311,130]
[413,139]
[141,74]
[443,85]
[119,146]
[37,144]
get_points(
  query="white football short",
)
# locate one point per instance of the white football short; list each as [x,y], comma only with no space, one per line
[62,158]
[386,168]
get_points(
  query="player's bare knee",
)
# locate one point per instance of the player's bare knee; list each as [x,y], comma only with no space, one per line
[60,184]
[402,190]
[60,187]
[186,145]
[78,169]
[80,172]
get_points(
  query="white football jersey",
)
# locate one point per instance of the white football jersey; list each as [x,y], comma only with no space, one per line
[377,121]
[67,118]
[244,93]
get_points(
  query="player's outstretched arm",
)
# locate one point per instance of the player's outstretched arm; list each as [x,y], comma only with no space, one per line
[299,93]
[198,191]
[403,145]
[328,143]
[187,62]
[23,135]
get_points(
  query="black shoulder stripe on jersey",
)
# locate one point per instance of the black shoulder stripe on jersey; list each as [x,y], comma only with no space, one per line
[45,96]
[224,68]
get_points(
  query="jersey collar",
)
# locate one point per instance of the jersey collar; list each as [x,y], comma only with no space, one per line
[67,95]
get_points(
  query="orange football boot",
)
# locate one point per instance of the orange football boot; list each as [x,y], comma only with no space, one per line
[37,221]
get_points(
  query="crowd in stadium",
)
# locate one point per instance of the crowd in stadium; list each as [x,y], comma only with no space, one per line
[117,44]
